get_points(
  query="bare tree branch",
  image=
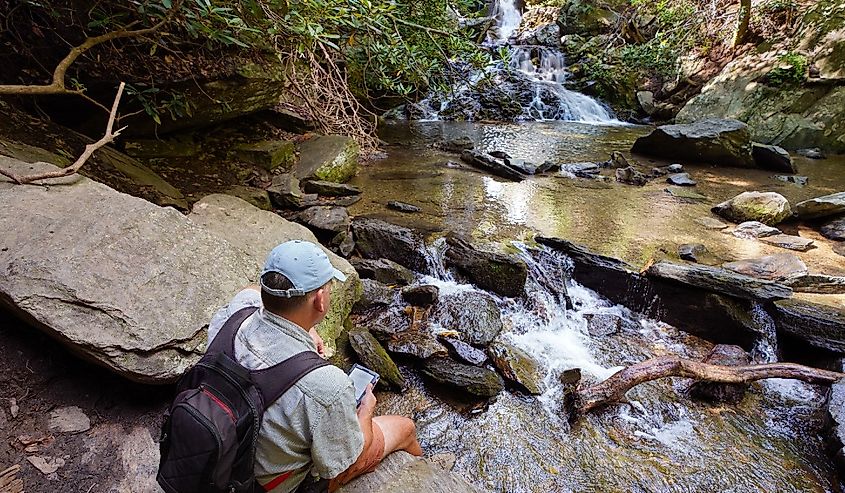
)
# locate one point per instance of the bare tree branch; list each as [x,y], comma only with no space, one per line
[614,388]
[109,136]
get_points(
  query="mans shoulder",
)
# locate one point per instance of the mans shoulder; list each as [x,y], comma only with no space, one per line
[325,385]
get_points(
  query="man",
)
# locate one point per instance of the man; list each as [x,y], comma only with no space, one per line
[314,427]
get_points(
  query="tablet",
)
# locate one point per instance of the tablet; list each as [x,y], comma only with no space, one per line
[361,377]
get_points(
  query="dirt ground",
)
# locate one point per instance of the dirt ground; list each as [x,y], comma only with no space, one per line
[117,454]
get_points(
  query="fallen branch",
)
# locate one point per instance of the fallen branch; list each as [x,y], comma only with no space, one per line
[89,150]
[614,388]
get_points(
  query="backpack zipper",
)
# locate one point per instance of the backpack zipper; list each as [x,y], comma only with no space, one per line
[226,409]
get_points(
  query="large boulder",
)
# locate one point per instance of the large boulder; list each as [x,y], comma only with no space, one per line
[718,142]
[377,239]
[586,18]
[539,27]
[517,366]
[820,326]
[331,158]
[502,274]
[120,281]
[255,232]
[720,281]
[402,472]
[769,208]
[828,205]
[383,270]
[773,158]
[474,315]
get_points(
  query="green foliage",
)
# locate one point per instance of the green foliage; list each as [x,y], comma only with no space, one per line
[792,69]
[658,55]
[154,102]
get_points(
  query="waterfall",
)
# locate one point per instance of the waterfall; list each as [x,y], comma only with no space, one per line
[507,19]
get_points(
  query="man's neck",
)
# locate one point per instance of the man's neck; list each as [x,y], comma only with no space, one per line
[300,319]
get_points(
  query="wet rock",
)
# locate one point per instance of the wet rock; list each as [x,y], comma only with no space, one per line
[812,153]
[603,324]
[631,176]
[753,230]
[445,460]
[416,342]
[373,294]
[473,379]
[789,242]
[502,274]
[581,170]
[255,196]
[720,142]
[772,157]
[457,145]
[794,179]
[377,239]
[473,314]
[646,101]
[373,356]
[817,283]
[719,281]
[711,223]
[384,271]
[343,243]
[828,205]
[325,221]
[820,326]
[778,267]
[402,206]
[835,421]
[681,179]
[328,158]
[463,351]
[517,366]
[329,189]
[547,34]
[269,154]
[547,167]
[723,355]
[421,295]
[493,165]
[834,230]
[522,165]
[68,420]
[766,207]
[617,160]
[402,472]
[312,199]
[684,194]
[255,233]
[285,193]
[675,168]
[691,251]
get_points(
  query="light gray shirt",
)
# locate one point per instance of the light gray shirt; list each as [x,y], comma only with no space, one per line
[311,427]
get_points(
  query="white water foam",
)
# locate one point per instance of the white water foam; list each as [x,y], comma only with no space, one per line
[508,18]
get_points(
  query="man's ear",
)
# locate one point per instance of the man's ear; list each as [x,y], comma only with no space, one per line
[320,301]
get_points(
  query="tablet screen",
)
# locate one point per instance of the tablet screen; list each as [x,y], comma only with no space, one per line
[360,379]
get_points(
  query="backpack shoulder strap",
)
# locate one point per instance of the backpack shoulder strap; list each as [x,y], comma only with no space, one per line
[224,341]
[274,381]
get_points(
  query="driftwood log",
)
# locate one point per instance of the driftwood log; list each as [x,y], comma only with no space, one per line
[614,388]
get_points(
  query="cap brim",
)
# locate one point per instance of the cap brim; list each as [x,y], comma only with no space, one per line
[340,276]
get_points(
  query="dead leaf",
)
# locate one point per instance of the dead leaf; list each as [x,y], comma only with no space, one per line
[47,465]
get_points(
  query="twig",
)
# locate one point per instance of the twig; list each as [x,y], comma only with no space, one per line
[109,136]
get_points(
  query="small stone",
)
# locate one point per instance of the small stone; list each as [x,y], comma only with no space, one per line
[13,408]
[691,251]
[772,157]
[711,223]
[285,193]
[500,154]
[789,242]
[754,229]
[602,324]
[839,249]
[681,179]
[570,376]
[631,176]
[464,351]
[659,172]
[675,168]
[794,179]
[402,206]
[813,153]
[69,419]
[776,267]
[581,170]
[47,465]
[457,145]
[617,160]
[646,100]
[834,230]
[421,295]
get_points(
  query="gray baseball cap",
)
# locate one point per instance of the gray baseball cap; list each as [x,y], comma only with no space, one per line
[305,264]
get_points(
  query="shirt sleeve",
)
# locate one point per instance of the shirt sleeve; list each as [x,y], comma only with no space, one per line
[337,439]
[245,298]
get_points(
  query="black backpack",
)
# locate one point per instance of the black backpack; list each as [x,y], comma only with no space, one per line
[209,433]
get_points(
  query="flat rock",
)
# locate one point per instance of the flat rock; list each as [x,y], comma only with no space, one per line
[493,165]
[719,142]
[402,207]
[378,239]
[421,295]
[817,283]
[384,271]
[812,153]
[772,157]
[684,194]
[285,193]
[68,420]
[463,351]
[473,314]
[681,179]
[711,223]
[517,366]
[269,154]
[604,324]
[325,221]
[502,274]
[256,232]
[581,170]
[834,230]
[719,280]
[328,158]
[456,145]
[778,267]
[374,357]
[419,343]
[400,472]
[329,189]
[794,179]
[476,380]
[46,465]
[769,208]
[753,230]
[828,205]
[820,326]
[790,242]
[59,269]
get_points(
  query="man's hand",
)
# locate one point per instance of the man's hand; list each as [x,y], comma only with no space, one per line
[318,341]
[368,402]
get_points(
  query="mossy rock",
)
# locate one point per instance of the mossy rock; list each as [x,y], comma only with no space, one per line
[331,158]
[269,154]
[375,357]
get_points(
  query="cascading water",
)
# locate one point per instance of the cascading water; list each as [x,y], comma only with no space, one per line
[661,440]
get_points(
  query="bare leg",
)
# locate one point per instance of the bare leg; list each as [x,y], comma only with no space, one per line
[399,433]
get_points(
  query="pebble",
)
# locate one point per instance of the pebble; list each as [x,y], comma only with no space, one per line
[69,419]
[681,179]
[795,179]
[47,465]
[675,168]
[13,408]
[754,229]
